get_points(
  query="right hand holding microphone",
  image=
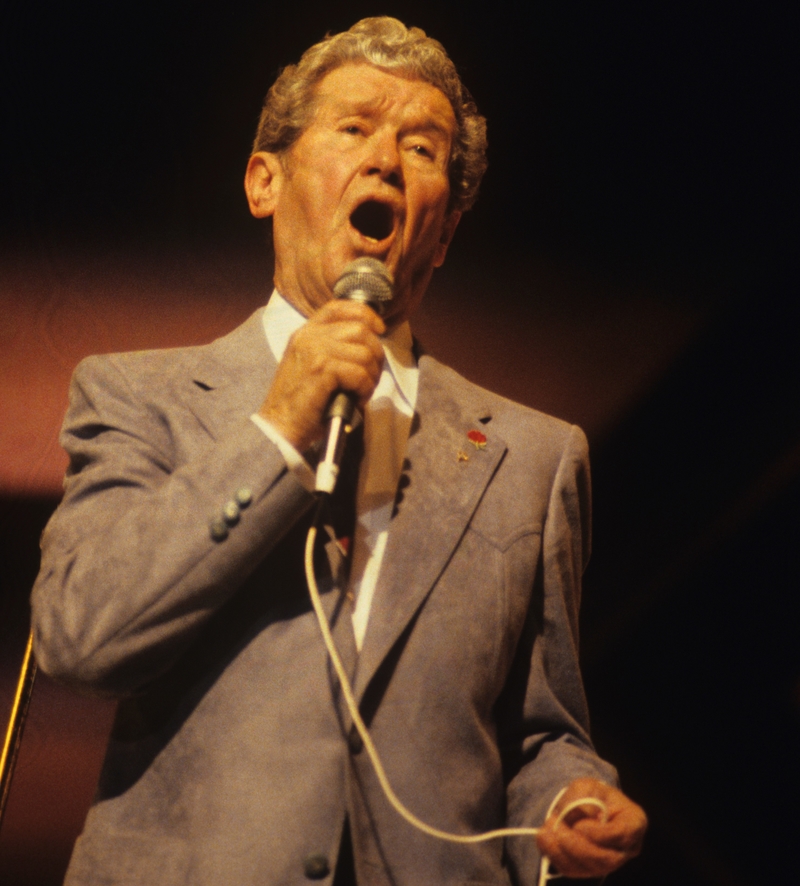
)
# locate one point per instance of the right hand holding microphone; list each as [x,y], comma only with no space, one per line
[339,348]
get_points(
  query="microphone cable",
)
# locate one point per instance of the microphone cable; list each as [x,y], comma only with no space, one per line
[347,691]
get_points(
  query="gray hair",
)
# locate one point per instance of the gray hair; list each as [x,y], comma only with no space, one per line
[388,44]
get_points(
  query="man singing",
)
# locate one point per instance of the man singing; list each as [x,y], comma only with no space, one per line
[172,572]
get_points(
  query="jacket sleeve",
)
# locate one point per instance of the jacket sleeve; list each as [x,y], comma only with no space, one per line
[549,745]
[130,570]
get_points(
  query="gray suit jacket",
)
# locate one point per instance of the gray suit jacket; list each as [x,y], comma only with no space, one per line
[232,759]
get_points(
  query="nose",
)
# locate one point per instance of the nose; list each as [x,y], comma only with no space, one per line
[383,159]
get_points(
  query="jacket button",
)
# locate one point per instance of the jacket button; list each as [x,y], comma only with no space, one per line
[243,496]
[230,513]
[316,866]
[218,529]
[354,741]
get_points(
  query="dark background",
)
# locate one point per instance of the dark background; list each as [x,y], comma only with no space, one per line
[629,266]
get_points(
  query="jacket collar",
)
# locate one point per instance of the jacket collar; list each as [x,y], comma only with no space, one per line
[229,378]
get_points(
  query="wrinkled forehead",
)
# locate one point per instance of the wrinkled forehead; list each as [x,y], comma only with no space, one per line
[348,87]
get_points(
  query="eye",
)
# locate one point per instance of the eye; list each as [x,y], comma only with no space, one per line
[422,151]
[352,129]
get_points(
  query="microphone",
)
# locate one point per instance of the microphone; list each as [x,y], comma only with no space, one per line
[369,282]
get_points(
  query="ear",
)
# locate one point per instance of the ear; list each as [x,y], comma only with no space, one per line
[262,183]
[448,229]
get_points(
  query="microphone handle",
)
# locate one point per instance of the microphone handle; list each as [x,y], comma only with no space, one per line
[368,281]
[342,404]
[340,417]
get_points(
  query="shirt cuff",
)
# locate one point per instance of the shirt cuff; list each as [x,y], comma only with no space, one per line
[294,461]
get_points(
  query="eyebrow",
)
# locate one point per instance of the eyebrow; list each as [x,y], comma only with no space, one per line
[424,123]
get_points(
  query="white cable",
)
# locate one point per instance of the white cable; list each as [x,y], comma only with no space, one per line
[372,751]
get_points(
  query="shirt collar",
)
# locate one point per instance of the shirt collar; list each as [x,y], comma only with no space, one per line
[398,346]
[281,320]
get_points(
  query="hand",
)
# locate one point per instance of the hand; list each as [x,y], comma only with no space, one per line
[583,844]
[337,349]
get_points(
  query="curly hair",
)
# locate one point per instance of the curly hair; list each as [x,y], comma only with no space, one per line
[388,44]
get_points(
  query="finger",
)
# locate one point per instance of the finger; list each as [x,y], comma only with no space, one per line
[575,856]
[624,831]
[315,345]
[342,310]
[306,385]
[353,375]
[314,357]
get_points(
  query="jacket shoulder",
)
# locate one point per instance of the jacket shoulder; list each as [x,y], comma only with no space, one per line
[514,421]
[149,368]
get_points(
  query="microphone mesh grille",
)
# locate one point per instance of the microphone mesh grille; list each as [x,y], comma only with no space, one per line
[366,280]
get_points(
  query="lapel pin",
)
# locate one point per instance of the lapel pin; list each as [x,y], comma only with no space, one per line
[462,456]
[477,439]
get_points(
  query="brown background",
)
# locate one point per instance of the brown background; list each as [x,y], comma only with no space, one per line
[628,267]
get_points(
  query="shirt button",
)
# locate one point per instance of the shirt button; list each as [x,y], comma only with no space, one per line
[316,866]
[230,513]
[354,740]
[218,529]
[243,496]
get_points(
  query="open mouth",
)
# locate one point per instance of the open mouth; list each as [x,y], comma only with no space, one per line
[373,219]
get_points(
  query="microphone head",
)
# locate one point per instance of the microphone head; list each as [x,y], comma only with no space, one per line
[368,281]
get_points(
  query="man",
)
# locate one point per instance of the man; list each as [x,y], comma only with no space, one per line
[172,577]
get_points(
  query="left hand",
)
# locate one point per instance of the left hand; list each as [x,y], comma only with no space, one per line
[583,844]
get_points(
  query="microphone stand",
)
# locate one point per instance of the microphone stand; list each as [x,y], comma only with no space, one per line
[16,723]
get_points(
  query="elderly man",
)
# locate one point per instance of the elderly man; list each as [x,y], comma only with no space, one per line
[172,572]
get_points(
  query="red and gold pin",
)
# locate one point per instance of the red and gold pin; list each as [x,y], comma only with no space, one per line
[477,439]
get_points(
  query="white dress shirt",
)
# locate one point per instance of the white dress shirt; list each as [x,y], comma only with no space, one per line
[387,422]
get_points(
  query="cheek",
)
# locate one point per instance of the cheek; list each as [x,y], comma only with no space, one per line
[427,231]
[323,198]
[430,196]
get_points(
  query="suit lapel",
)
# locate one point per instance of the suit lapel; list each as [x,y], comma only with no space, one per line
[439,489]
[438,493]
[229,379]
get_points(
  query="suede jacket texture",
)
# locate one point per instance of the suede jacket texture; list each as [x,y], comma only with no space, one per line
[232,758]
